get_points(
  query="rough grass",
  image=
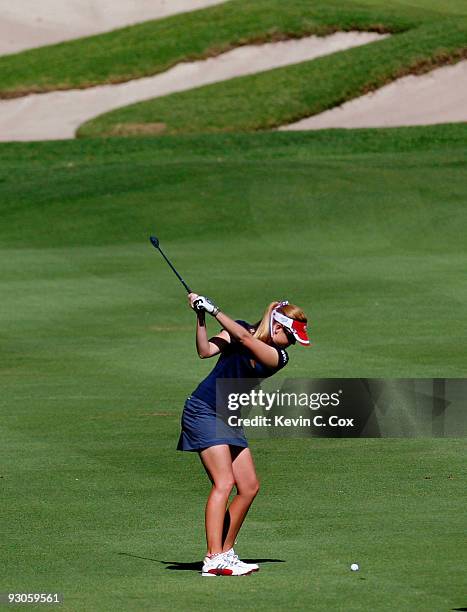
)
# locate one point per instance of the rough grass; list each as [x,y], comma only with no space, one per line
[154,46]
[284,95]
[423,37]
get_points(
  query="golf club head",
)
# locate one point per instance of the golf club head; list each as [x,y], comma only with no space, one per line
[154,241]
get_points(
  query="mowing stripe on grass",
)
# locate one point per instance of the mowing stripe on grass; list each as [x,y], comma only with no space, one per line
[371,228]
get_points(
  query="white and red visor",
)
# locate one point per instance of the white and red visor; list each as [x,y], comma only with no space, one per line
[296,328]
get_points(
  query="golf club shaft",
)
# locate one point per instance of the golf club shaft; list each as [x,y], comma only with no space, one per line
[173,268]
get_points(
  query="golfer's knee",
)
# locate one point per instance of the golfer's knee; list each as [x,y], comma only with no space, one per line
[250,489]
[255,488]
[224,486]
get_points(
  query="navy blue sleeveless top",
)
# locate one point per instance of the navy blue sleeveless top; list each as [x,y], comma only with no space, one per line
[236,361]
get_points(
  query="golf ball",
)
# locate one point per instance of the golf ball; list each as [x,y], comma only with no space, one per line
[354,567]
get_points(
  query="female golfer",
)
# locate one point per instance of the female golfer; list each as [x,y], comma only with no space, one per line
[247,352]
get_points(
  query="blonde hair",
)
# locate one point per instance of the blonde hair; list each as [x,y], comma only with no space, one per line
[263,331]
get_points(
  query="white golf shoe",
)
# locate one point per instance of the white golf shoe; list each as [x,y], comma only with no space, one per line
[231,555]
[223,565]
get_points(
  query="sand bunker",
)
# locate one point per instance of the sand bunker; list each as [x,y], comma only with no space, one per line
[57,115]
[439,96]
[33,23]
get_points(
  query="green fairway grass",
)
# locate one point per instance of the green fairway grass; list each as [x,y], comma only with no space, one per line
[364,229]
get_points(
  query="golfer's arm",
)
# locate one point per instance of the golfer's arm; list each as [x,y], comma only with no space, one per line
[235,330]
[262,352]
[205,347]
[202,342]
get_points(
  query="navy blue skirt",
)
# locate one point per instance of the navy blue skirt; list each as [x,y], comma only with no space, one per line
[202,428]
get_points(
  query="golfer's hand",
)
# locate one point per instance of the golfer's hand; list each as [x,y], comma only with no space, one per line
[191,298]
[204,303]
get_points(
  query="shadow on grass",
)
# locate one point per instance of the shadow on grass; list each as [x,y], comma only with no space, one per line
[195,566]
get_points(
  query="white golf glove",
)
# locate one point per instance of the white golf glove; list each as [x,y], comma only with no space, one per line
[204,303]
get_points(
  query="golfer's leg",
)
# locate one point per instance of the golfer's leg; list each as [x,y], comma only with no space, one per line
[218,463]
[247,485]
[226,525]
